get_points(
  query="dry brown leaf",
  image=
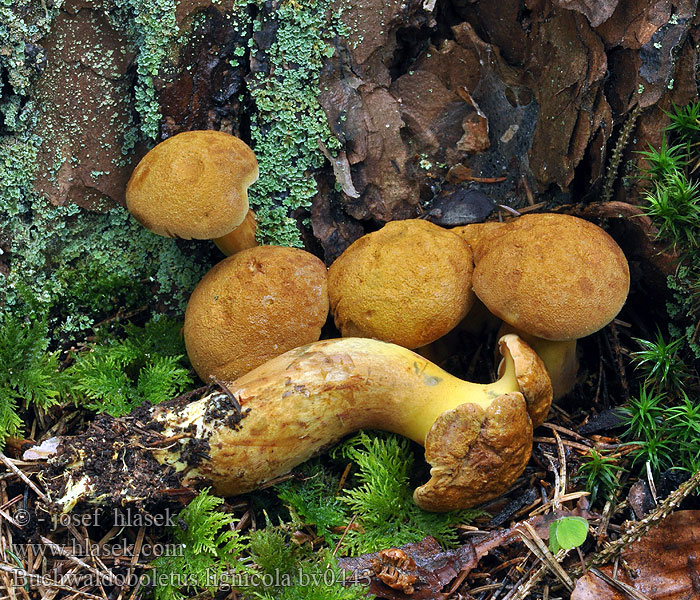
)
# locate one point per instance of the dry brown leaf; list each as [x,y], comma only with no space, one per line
[665,563]
[419,571]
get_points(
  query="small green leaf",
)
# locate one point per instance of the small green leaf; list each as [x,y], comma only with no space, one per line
[568,532]
[554,546]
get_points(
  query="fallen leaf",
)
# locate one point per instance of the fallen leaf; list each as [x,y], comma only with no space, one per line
[417,571]
[664,563]
[460,207]
[420,571]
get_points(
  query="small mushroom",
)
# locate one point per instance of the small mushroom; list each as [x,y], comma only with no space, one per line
[193,185]
[477,437]
[253,306]
[553,279]
[408,283]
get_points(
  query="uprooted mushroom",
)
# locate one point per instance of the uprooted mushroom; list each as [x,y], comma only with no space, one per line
[477,437]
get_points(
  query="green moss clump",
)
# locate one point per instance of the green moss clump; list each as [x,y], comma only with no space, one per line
[29,374]
[120,373]
[207,548]
[77,267]
[378,496]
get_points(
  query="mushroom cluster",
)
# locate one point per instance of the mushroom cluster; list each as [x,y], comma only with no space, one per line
[259,302]
[255,319]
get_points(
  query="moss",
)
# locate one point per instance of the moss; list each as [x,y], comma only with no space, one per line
[77,267]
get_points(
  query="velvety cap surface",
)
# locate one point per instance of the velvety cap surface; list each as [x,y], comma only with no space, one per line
[481,236]
[253,306]
[554,276]
[408,283]
[193,185]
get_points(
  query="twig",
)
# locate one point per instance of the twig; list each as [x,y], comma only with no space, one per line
[538,548]
[10,465]
[239,414]
[563,498]
[562,468]
[109,576]
[561,429]
[640,528]
[579,447]
[50,583]
[522,590]
[484,179]
[509,209]
[619,585]
[342,537]
[620,145]
[652,486]
[135,558]
[528,192]
[618,360]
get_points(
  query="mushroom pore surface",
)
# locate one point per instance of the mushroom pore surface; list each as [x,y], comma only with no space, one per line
[253,306]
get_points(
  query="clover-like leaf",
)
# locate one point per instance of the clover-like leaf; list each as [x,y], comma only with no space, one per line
[567,533]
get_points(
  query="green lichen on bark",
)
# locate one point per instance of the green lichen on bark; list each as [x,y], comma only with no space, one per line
[289,122]
[67,264]
[75,266]
[153,29]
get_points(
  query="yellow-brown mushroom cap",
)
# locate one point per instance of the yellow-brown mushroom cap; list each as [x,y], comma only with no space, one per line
[408,283]
[253,306]
[553,276]
[481,236]
[193,185]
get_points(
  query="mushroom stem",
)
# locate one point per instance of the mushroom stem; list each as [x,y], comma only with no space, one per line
[295,405]
[558,356]
[241,238]
[310,397]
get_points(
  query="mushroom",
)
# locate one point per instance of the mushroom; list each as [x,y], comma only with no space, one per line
[408,283]
[477,437]
[553,279]
[252,307]
[193,185]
